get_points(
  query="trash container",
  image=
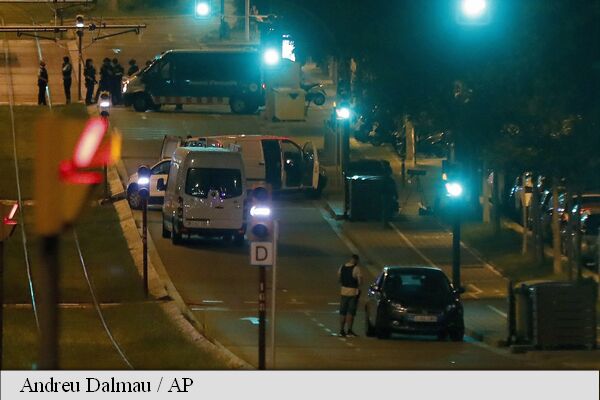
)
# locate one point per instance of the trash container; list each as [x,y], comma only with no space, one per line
[288,104]
[371,191]
[553,315]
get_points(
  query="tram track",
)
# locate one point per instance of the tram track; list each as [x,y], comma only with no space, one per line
[31,284]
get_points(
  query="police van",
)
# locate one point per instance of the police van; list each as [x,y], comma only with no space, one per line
[199,77]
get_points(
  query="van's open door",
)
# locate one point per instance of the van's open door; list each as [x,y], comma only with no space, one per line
[311,159]
[169,145]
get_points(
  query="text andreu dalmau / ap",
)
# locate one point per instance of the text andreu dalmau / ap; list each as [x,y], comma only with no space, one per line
[109,385]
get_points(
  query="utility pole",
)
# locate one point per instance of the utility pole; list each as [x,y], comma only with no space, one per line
[247,20]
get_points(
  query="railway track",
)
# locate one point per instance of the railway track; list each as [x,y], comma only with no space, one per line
[31,284]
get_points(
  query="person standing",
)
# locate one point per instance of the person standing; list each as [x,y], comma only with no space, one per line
[350,279]
[67,69]
[133,68]
[118,72]
[42,83]
[106,77]
[89,73]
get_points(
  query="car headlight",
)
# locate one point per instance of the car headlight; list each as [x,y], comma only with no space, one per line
[398,307]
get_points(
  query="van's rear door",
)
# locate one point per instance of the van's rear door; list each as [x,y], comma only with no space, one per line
[311,160]
[169,145]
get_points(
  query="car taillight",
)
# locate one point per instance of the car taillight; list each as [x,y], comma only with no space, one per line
[180,208]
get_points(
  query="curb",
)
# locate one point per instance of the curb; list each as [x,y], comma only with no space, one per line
[161,285]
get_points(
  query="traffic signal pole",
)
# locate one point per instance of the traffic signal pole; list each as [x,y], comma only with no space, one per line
[145,242]
[48,303]
[1,298]
[456,251]
[262,305]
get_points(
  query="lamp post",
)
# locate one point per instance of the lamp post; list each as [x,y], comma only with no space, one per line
[79,25]
[343,114]
[7,227]
[454,192]
[144,191]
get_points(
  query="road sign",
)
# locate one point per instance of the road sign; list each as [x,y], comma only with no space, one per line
[261,253]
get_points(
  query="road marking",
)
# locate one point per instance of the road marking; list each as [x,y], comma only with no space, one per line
[347,242]
[333,304]
[252,320]
[251,302]
[494,309]
[321,325]
[212,301]
[475,289]
[412,246]
[220,309]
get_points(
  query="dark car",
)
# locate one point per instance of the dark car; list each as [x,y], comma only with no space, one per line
[417,300]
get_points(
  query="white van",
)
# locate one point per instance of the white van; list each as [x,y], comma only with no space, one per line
[205,194]
[276,160]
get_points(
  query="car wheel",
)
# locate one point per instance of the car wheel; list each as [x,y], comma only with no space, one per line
[457,334]
[238,105]
[134,199]
[165,233]
[442,335]
[319,99]
[381,329]
[141,102]
[369,329]
[238,239]
[176,238]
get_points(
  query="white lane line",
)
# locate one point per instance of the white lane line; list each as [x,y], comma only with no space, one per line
[333,304]
[251,302]
[475,289]
[327,330]
[347,242]
[220,309]
[320,325]
[212,301]
[494,309]
[412,246]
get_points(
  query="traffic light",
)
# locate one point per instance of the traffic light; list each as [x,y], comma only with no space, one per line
[67,163]
[261,221]
[202,9]
[7,213]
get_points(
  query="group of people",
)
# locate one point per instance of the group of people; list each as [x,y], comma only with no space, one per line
[111,76]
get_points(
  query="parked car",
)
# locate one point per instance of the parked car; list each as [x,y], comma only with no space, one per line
[590,202]
[590,224]
[157,171]
[417,300]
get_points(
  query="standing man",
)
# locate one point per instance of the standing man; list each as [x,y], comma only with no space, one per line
[118,72]
[106,77]
[67,68]
[42,83]
[89,73]
[133,68]
[350,280]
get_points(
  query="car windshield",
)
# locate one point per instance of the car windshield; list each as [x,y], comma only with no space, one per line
[226,183]
[417,288]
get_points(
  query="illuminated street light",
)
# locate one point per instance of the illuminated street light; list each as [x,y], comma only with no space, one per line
[271,57]
[202,9]
[260,211]
[454,189]
[473,8]
[343,112]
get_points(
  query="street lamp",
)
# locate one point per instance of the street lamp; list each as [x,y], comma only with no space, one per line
[271,57]
[144,192]
[473,12]
[202,9]
[454,191]
[343,113]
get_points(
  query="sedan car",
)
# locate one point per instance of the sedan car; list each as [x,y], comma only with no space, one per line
[417,300]
[158,171]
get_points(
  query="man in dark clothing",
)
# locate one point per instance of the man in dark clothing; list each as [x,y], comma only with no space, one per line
[42,83]
[106,78]
[133,68]
[350,279]
[118,72]
[89,73]
[67,68]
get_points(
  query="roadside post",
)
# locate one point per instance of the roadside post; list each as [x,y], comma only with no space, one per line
[7,213]
[262,244]
[454,191]
[63,182]
[144,192]
[344,114]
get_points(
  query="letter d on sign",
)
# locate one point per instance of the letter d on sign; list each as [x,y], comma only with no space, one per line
[261,253]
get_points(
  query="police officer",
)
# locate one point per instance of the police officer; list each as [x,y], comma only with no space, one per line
[118,72]
[42,83]
[89,73]
[106,78]
[133,68]
[67,69]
